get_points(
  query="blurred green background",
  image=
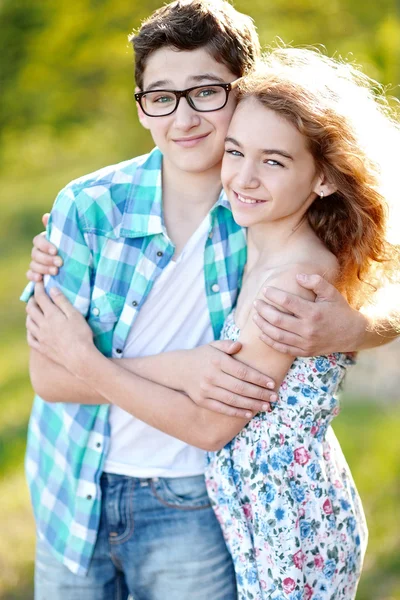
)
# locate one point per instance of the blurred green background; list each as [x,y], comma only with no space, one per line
[66,108]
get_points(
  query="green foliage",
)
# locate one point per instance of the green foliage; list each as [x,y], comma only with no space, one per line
[66,77]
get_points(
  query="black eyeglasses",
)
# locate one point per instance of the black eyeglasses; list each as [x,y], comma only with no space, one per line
[203,98]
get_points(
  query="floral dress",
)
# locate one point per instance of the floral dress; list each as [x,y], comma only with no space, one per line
[284,495]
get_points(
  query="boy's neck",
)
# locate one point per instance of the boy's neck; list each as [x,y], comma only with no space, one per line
[187,198]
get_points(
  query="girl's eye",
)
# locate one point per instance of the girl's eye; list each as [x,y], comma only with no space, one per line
[273,163]
[233,152]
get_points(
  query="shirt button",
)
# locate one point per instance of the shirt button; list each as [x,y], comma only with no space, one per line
[96,312]
[134,303]
[215,287]
[89,497]
[118,351]
[159,253]
[98,445]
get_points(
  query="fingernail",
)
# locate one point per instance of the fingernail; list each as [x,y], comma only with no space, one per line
[248,415]
[52,251]
[55,291]
[53,270]
[273,398]
[302,277]
[270,385]
[265,406]
[57,261]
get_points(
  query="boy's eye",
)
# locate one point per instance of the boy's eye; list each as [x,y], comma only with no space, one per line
[162,99]
[206,92]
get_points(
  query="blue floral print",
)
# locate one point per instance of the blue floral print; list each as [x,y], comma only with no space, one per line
[284,495]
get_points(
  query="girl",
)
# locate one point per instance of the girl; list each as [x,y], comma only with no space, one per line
[303,170]
[304,173]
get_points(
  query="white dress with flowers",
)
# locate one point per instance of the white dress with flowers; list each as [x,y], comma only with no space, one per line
[283,492]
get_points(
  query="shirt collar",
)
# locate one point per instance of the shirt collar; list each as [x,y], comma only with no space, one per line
[143,214]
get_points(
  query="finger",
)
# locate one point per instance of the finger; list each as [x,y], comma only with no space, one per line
[32,342]
[62,302]
[242,402]
[32,276]
[239,370]
[225,409]
[322,288]
[266,313]
[283,348]
[276,331]
[227,346]
[43,244]
[289,302]
[45,219]
[34,311]
[31,327]
[41,269]
[243,388]
[43,257]
[42,299]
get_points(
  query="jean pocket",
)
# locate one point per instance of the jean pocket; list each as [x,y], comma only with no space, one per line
[184,493]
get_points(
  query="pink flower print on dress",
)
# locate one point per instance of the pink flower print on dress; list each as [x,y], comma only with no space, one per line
[288,585]
[301,455]
[327,506]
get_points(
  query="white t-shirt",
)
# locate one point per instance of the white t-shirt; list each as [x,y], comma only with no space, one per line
[175,316]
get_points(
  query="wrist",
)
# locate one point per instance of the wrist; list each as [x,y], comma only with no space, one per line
[360,331]
[85,364]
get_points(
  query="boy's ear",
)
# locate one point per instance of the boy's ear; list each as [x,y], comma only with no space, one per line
[144,121]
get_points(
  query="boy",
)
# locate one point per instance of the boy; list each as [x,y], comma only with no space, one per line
[121,507]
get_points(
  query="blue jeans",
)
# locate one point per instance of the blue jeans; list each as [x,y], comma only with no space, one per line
[158,540]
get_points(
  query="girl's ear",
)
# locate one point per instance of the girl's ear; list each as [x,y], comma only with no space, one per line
[143,119]
[324,188]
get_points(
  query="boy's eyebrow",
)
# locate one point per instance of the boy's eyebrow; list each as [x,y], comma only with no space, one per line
[232,140]
[161,84]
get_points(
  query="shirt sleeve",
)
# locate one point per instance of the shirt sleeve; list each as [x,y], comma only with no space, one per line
[66,231]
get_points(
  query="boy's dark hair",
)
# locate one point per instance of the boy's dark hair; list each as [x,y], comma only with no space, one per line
[228,35]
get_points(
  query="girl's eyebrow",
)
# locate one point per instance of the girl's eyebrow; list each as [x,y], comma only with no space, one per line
[232,140]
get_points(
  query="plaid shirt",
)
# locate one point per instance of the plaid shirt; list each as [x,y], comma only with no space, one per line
[110,232]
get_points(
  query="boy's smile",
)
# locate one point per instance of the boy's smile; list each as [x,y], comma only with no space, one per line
[190,141]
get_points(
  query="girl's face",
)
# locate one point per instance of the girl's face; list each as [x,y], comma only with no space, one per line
[267,171]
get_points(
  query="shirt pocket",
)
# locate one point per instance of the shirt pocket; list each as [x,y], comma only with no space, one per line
[104,312]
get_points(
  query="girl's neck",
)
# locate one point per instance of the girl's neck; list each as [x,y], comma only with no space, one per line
[272,244]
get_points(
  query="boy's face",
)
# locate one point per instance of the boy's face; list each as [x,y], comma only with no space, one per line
[190,141]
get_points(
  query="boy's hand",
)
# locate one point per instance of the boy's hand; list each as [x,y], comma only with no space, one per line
[57,330]
[215,380]
[44,256]
[324,326]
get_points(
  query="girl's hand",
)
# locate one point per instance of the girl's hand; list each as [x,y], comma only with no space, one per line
[57,330]
[44,256]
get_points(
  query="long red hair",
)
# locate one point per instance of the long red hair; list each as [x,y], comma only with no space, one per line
[348,125]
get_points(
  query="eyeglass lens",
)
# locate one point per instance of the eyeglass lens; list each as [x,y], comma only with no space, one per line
[202,98]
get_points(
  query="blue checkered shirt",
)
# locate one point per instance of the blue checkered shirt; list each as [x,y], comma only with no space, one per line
[110,232]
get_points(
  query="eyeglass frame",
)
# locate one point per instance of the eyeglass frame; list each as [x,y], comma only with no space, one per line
[228,87]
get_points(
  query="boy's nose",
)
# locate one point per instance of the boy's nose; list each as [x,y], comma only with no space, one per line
[185,116]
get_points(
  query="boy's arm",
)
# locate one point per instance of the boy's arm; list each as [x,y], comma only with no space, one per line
[324,326]
[65,335]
